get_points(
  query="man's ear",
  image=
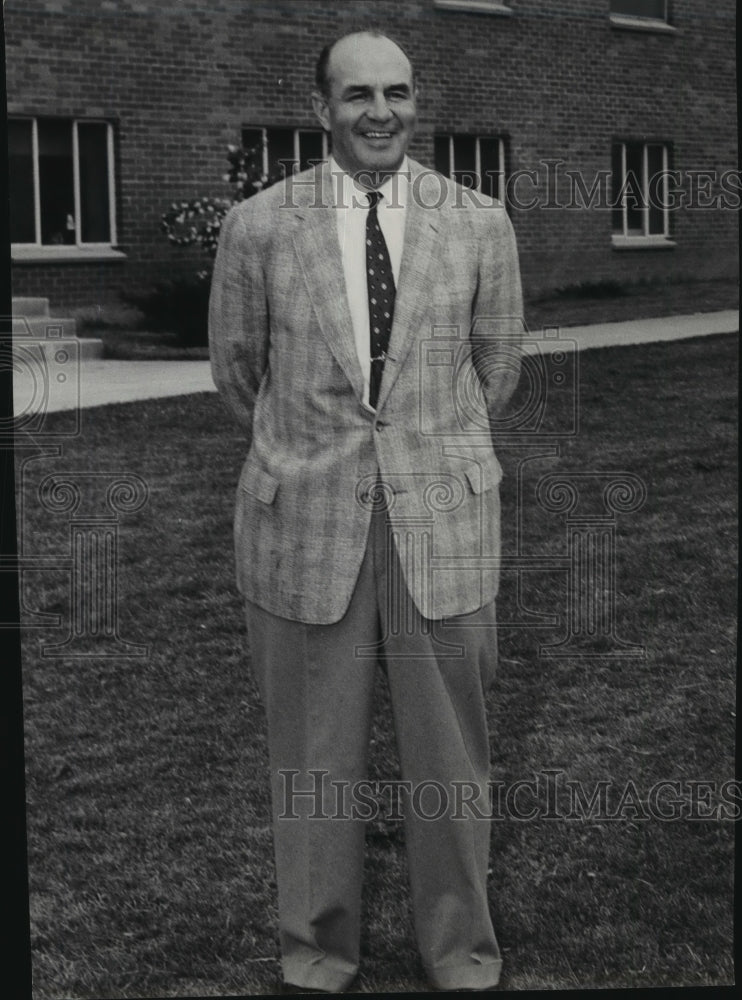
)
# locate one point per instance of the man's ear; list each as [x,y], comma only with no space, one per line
[321,109]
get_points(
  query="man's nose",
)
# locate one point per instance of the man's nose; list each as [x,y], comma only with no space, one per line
[380,110]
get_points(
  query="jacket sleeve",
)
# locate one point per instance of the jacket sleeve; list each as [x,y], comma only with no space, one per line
[238,317]
[498,326]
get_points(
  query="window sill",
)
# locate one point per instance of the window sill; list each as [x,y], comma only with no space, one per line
[475,6]
[627,23]
[642,242]
[63,254]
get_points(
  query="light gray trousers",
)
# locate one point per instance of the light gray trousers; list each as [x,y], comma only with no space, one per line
[316,682]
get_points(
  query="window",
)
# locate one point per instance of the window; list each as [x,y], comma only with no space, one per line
[473,161]
[640,193]
[61,182]
[286,150]
[642,15]
[475,6]
[655,9]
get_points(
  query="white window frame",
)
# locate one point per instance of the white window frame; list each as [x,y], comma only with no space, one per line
[643,22]
[476,6]
[65,250]
[298,132]
[625,240]
[478,160]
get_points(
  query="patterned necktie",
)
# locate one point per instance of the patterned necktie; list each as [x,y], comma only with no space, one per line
[380,281]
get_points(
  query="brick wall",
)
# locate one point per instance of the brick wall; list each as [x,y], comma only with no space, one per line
[178,80]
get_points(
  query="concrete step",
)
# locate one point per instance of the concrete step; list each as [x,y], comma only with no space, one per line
[48,334]
[25,306]
[43,327]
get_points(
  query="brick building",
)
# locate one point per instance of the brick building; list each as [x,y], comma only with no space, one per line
[608,125]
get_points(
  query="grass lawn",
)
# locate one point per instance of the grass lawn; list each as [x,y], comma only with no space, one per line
[149,835]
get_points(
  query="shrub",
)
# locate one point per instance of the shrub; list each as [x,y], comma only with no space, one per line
[179,306]
[199,220]
[607,289]
[107,316]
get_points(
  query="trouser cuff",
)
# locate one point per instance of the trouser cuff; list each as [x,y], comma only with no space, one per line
[465,977]
[320,975]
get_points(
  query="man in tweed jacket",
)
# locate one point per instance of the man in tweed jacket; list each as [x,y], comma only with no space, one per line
[369,527]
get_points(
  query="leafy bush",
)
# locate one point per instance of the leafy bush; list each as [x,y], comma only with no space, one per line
[196,221]
[199,220]
[179,306]
[607,289]
[107,316]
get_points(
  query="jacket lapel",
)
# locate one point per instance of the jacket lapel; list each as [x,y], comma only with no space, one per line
[413,296]
[318,249]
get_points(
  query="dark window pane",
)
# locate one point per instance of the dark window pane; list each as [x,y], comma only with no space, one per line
[55,181]
[640,8]
[252,137]
[464,160]
[310,148]
[491,168]
[280,152]
[20,163]
[616,185]
[633,188]
[656,191]
[92,147]
[441,158]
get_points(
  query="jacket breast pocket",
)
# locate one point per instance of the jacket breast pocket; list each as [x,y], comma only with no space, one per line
[258,483]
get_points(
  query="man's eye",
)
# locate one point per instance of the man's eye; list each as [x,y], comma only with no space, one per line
[398,95]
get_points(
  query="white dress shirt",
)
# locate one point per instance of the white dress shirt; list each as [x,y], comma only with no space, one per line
[351,208]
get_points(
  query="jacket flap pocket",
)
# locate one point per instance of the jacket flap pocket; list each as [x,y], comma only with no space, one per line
[257,482]
[484,477]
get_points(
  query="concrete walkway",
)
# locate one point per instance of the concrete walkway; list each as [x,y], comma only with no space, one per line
[97,383]
[646,331]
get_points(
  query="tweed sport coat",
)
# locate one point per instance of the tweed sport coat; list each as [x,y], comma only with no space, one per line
[284,358]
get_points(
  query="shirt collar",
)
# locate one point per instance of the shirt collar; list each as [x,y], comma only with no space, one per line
[348,194]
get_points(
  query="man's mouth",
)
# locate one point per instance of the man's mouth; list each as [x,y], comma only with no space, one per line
[377,135]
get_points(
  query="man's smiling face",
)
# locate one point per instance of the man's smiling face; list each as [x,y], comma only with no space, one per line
[370,108]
